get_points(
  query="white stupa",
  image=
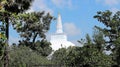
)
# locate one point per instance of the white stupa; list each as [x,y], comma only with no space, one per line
[59,39]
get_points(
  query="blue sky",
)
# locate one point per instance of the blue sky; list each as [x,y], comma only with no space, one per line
[77,15]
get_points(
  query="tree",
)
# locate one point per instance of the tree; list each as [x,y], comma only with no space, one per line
[8,8]
[59,56]
[93,51]
[32,27]
[81,56]
[98,39]
[90,55]
[43,47]
[22,56]
[12,11]
[111,32]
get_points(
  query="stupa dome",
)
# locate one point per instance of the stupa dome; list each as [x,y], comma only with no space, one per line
[59,39]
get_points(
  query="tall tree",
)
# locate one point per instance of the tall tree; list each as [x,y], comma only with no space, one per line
[32,27]
[7,9]
[111,32]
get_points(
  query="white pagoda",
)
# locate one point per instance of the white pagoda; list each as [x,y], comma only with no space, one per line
[59,39]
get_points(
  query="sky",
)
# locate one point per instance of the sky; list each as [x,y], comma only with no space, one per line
[77,16]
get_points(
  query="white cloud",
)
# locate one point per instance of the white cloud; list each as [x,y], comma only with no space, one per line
[109,2]
[40,5]
[62,3]
[71,29]
[112,2]
[114,10]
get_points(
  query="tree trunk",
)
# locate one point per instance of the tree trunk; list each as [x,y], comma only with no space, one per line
[6,57]
[35,35]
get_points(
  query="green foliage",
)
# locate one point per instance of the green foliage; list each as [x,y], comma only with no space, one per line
[92,54]
[112,25]
[59,56]
[23,56]
[16,6]
[29,25]
[43,47]
[88,39]
[98,39]
[2,40]
[8,8]
[87,55]
[111,31]
[32,27]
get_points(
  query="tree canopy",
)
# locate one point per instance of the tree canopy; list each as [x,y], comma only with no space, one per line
[111,32]
[29,25]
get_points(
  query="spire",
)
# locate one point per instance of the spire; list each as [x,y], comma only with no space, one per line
[59,24]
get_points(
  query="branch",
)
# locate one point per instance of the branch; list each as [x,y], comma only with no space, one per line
[34,38]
